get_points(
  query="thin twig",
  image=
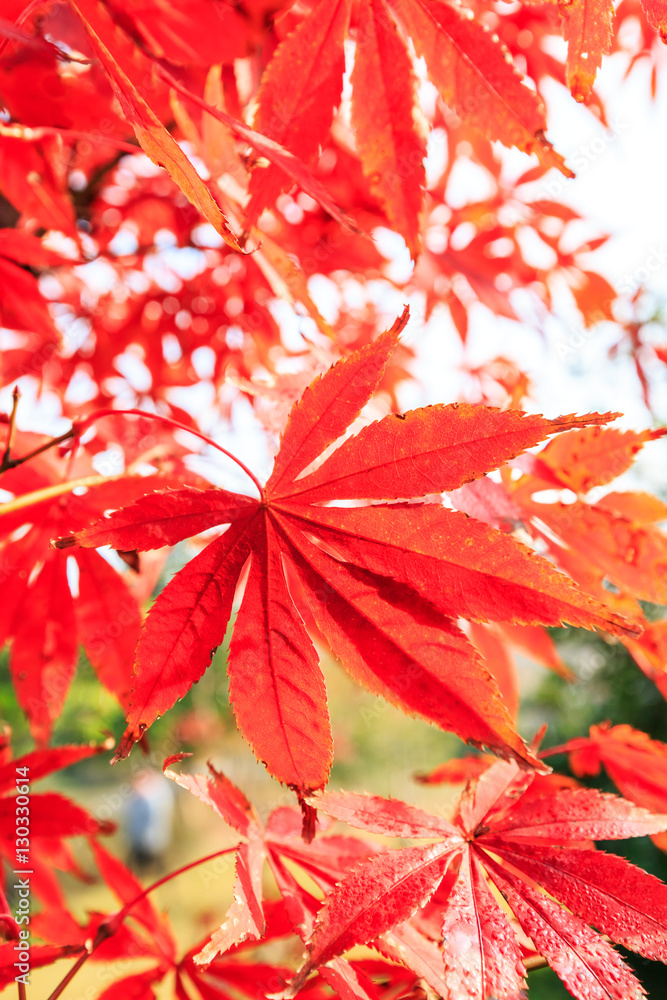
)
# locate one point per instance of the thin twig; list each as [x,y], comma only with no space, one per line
[11,463]
[109,927]
[73,971]
[78,429]
[16,395]
[98,414]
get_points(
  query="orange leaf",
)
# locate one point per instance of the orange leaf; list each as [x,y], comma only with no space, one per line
[656,14]
[587,29]
[300,89]
[392,153]
[593,456]
[475,74]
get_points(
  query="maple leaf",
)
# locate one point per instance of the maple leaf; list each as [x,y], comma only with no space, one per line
[44,615]
[126,888]
[300,89]
[326,861]
[392,153]
[472,70]
[633,556]
[349,543]
[475,74]
[582,459]
[615,540]
[517,831]
[153,938]
[383,582]
[635,763]
[138,930]
[587,29]
[51,816]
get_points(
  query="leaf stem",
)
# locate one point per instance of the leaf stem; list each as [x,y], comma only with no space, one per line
[109,927]
[16,395]
[534,962]
[73,971]
[21,987]
[77,429]
[98,414]
[550,751]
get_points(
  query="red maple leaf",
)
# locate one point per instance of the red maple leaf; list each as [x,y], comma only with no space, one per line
[384,581]
[326,861]
[48,614]
[33,824]
[615,539]
[473,72]
[528,837]
[635,763]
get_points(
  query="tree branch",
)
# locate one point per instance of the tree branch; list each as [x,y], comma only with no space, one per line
[109,927]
